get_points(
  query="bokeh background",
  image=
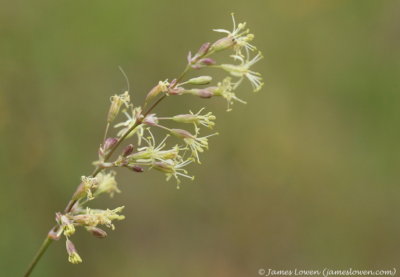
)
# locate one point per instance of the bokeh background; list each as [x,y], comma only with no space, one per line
[304,176]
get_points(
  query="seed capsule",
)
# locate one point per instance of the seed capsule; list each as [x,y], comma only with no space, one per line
[97,232]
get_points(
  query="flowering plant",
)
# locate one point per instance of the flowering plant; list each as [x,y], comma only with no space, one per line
[145,151]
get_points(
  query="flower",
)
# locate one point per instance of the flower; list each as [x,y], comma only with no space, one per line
[69,230]
[196,144]
[94,217]
[147,155]
[129,123]
[239,38]
[146,152]
[225,89]
[162,86]
[205,120]
[106,184]
[173,168]
[73,256]
[151,120]
[116,102]
[89,183]
[243,70]
[66,225]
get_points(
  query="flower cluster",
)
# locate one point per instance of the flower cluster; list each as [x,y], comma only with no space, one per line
[180,146]
[90,219]
[239,40]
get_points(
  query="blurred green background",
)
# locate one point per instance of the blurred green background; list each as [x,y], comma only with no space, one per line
[304,176]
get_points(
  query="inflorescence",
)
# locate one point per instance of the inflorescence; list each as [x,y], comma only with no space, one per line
[145,151]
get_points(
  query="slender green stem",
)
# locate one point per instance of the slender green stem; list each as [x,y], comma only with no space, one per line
[106,131]
[46,243]
[97,170]
[182,75]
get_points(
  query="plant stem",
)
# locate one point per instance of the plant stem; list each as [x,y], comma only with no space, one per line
[97,170]
[46,243]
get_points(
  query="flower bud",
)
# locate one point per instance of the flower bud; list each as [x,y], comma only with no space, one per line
[203,93]
[173,83]
[200,53]
[128,150]
[223,43]
[206,61]
[180,133]
[203,49]
[109,143]
[202,80]
[137,168]
[97,232]
[176,91]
